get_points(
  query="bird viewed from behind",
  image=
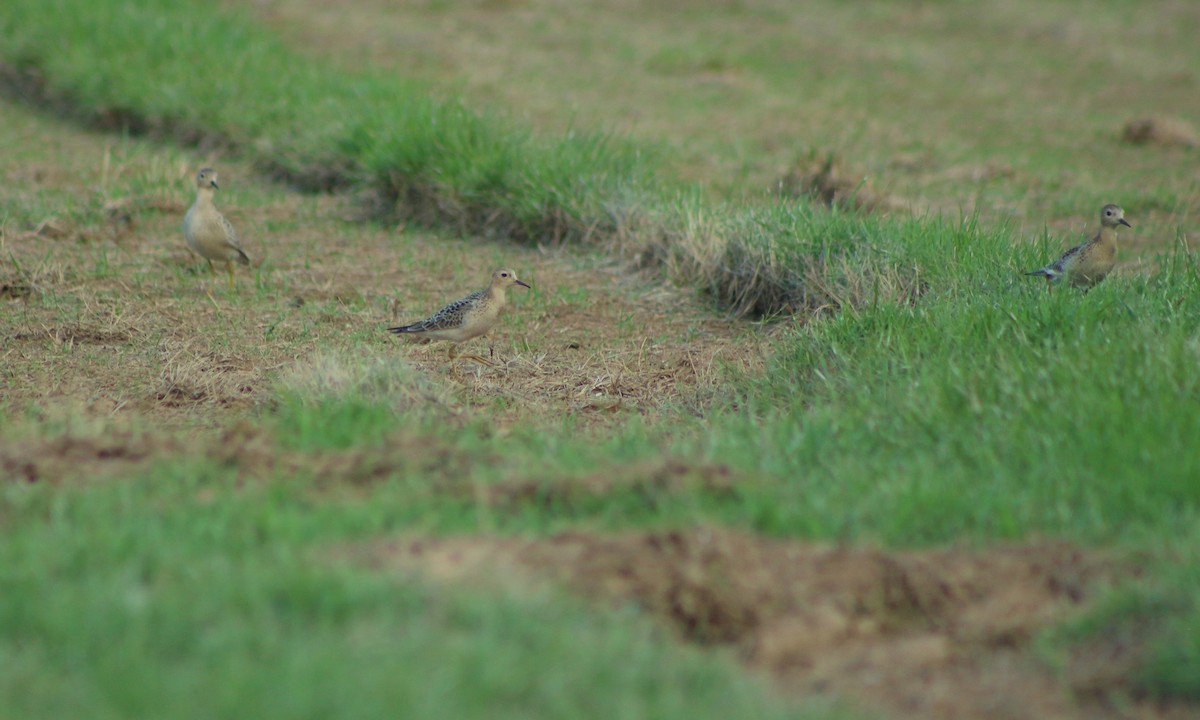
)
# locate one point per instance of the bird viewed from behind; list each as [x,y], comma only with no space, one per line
[208,233]
[467,318]
[1087,264]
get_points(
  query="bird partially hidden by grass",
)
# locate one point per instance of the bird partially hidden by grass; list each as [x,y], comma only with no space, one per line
[208,233]
[467,318]
[1087,264]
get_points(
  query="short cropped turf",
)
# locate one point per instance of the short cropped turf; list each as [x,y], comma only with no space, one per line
[916,390]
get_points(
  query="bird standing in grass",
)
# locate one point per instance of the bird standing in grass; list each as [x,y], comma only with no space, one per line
[207,231]
[1087,264]
[467,318]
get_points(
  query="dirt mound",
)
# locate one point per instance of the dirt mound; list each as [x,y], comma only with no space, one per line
[649,480]
[917,634]
[244,446]
[1165,131]
[69,456]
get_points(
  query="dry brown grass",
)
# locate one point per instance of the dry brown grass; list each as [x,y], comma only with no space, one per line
[106,311]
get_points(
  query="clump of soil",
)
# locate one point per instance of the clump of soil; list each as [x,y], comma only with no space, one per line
[830,181]
[252,450]
[650,481]
[1166,131]
[71,456]
[917,634]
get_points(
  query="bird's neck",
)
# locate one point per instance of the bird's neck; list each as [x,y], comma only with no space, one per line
[496,292]
[204,196]
[1107,236]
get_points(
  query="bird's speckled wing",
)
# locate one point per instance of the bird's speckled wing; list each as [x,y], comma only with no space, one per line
[1070,257]
[1059,266]
[448,318]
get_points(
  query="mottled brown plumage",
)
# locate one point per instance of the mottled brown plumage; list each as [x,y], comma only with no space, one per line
[467,318]
[1087,264]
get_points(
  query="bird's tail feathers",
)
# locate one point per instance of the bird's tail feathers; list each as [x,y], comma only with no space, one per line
[403,329]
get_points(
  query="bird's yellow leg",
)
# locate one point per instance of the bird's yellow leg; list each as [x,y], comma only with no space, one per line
[208,282]
[479,359]
[469,356]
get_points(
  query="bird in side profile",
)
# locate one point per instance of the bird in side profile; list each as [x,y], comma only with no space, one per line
[1087,264]
[208,233]
[467,318]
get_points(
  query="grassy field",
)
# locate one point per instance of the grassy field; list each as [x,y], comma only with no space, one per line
[915,484]
[1013,110]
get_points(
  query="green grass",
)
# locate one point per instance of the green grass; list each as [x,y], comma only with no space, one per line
[423,158]
[950,398]
[989,410]
[414,147]
[1012,109]
[132,600]
[1155,617]
[992,409]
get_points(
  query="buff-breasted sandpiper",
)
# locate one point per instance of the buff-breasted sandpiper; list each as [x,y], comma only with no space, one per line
[467,318]
[208,233]
[1087,264]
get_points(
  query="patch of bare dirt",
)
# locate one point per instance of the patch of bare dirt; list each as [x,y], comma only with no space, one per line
[82,457]
[254,452]
[73,335]
[649,479]
[1165,131]
[915,634]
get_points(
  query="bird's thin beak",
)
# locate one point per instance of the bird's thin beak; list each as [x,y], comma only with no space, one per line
[1125,222]
[523,283]
[214,184]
